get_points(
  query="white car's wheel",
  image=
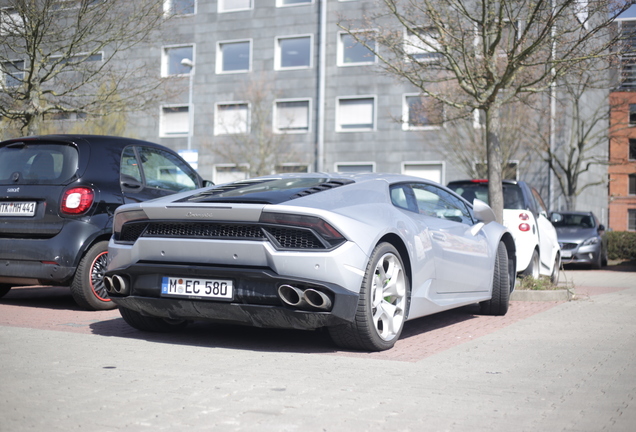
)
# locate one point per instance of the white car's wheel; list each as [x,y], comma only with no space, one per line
[556,270]
[382,307]
[533,269]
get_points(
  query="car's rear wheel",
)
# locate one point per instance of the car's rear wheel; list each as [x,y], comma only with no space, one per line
[4,289]
[500,300]
[150,324]
[87,287]
[382,306]
[556,270]
[533,269]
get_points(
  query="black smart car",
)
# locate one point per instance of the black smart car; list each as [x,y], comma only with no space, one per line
[58,194]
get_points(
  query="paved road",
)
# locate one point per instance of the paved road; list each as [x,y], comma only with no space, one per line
[546,366]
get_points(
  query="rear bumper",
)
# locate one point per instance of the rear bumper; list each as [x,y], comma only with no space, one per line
[48,260]
[255,301]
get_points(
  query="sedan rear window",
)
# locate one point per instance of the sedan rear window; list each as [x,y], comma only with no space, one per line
[24,163]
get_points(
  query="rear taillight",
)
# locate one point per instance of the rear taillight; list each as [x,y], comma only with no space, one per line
[77,200]
[524,227]
[524,216]
[319,226]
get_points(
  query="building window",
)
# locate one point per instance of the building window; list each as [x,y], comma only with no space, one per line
[179,7]
[291,116]
[429,170]
[233,57]
[10,21]
[172,58]
[421,44]
[351,52]
[631,220]
[174,121]
[632,114]
[231,118]
[13,73]
[281,3]
[355,167]
[628,59]
[632,184]
[421,112]
[293,52]
[355,114]
[235,5]
[229,173]
[632,149]
[291,168]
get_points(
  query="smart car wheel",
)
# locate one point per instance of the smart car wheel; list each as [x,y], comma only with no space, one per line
[150,324]
[87,287]
[382,307]
[4,289]
[533,268]
[498,303]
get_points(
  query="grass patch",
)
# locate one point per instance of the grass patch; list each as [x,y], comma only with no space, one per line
[530,283]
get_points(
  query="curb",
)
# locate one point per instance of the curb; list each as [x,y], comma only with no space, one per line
[541,295]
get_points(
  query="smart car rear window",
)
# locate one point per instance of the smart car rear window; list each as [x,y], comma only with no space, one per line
[30,163]
[513,197]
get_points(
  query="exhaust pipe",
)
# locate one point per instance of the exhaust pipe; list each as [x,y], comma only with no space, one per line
[108,284]
[120,285]
[317,299]
[292,296]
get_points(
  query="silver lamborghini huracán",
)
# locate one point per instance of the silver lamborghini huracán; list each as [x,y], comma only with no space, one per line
[358,254]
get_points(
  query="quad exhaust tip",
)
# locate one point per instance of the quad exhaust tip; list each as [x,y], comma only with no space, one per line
[304,298]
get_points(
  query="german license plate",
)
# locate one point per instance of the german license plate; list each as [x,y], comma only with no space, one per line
[566,254]
[197,288]
[21,208]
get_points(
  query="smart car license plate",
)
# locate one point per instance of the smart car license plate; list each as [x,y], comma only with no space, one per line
[17,208]
[197,288]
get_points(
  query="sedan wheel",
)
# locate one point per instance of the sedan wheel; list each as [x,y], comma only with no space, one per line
[382,307]
[500,299]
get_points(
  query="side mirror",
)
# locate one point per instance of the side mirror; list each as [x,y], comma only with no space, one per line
[483,212]
[601,227]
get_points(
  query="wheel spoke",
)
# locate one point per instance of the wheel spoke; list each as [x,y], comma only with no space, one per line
[389,294]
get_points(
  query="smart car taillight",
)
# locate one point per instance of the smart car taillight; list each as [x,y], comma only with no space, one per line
[77,200]
[524,227]
[524,216]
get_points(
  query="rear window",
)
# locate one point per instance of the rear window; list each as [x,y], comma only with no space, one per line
[24,163]
[571,220]
[513,197]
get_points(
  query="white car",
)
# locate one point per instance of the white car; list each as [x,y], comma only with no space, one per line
[526,216]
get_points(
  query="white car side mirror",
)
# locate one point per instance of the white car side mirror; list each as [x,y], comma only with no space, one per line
[483,212]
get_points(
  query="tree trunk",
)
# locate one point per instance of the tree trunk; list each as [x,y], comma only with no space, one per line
[494,156]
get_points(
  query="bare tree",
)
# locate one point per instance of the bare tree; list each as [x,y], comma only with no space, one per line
[483,54]
[56,55]
[462,141]
[247,137]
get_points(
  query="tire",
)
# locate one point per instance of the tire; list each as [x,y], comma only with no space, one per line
[597,264]
[382,306]
[4,289]
[556,270]
[534,267]
[87,287]
[150,324]
[500,300]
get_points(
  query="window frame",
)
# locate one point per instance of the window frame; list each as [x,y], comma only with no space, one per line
[221,10]
[631,149]
[275,127]
[167,9]
[278,54]
[162,129]
[280,4]
[631,219]
[165,60]
[372,164]
[4,75]
[374,119]
[631,184]
[218,126]
[341,51]
[441,164]
[411,48]
[406,111]
[220,56]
